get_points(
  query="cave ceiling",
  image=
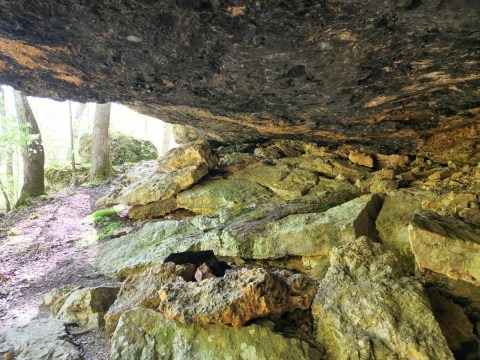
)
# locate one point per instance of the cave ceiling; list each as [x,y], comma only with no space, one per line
[398,76]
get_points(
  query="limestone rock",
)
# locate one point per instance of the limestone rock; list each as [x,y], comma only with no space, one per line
[203,272]
[43,339]
[455,325]
[136,251]
[446,246]
[87,306]
[361,159]
[240,296]
[177,170]
[391,161]
[141,290]
[223,196]
[153,209]
[312,234]
[146,334]
[332,168]
[55,298]
[392,222]
[365,309]
[234,162]
[289,183]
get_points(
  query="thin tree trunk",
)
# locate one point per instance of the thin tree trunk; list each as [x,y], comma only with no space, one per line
[73,180]
[167,135]
[101,167]
[32,153]
[8,207]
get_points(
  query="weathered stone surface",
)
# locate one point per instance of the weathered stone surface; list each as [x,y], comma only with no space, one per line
[289,183]
[332,168]
[392,222]
[361,159]
[233,72]
[235,161]
[146,334]
[312,234]
[240,296]
[87,306]
[44,339]
[223,197]
[446,246]
[455,326]
[136,251]
[365,309]
[141,290]
[177,170]
[391,161]
[123,149]
[153,210]
[55,299]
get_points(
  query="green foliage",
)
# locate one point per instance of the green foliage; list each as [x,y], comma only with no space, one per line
[106,222]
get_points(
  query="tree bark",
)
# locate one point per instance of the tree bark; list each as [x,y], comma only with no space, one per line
[8,207]
[9,155]
[101,167]
[32,152]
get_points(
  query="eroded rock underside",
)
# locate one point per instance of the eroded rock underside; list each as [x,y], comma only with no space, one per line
[397,75]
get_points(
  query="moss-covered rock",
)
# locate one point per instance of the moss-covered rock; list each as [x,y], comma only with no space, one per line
[58,177]
[123,148]
[146,334]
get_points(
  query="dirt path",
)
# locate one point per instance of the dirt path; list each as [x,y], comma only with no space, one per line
[47,246]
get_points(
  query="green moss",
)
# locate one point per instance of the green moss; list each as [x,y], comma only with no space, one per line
[106,222]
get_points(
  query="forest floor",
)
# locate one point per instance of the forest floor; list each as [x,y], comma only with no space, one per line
[45,246]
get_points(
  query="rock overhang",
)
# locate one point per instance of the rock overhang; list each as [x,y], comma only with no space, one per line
[399,76]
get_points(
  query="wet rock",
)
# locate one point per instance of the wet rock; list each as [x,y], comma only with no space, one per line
[87,306]
[365,309]
[146,334]
[153,210]
[446,246]
[177,170]
[240,296]
[43,339]
[456,326]
[141,290]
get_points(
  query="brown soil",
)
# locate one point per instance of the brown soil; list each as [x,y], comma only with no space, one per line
[43,247]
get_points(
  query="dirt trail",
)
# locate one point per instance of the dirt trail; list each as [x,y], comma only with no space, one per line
[44,247]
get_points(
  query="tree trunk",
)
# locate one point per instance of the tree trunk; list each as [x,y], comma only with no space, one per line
[32,152]
[167,135]
[8,207]
[101,167]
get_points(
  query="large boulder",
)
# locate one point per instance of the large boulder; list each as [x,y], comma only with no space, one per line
[88,306]
[135,252]
[237,298]
[365,308]
[146,334]
[309,235]
[43,339]
[123,149]
[141,290]
[446,245]
[177,170]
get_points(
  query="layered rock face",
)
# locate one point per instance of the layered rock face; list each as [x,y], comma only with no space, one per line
[398,76]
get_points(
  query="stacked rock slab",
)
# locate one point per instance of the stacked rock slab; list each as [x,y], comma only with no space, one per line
[365,309]
[177,170]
